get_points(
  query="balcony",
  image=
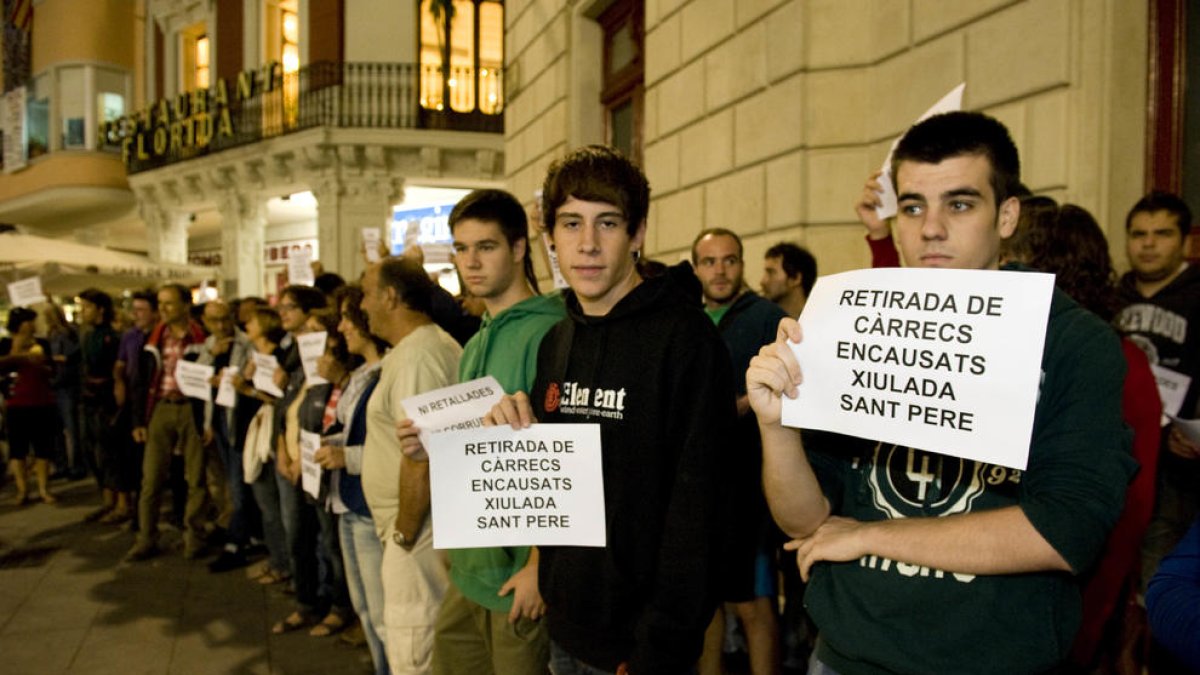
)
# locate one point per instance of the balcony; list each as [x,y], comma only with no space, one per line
[322,94]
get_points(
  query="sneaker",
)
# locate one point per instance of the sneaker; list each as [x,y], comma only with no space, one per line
[228,560]
[142,550]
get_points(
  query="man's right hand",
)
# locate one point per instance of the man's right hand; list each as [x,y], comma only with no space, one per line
[868,201]
[513,409]
[139,435]
[774,373]
[410,440]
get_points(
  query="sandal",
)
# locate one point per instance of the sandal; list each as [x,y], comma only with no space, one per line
[115,517]
[333,623]
[271,577]
[294,621]
[48,498]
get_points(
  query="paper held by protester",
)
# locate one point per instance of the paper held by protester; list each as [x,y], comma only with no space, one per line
[226,394]
[299,268]
[265,366]
[947,361]
[312,346]
[26,292]
[459,406]
[887,198]
[370,238]
[1172,389]
[193,379]
[310,471]
[541,486]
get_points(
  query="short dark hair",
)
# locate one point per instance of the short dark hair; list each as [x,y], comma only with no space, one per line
[348,303]
[1018,246]
[503,209]
[410,281]
[1163,201]
[101,300]
[716,232]
[596,173]
[147,295]
[959,133]
[270,323]
[18,316]
[795,260]
[307,298]
[184,293]
[328,282]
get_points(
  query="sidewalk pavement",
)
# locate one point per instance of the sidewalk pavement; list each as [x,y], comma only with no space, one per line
[69,605]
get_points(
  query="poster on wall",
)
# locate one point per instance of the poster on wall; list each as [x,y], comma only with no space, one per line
[12,123]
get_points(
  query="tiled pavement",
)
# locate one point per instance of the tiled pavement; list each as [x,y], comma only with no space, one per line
[69,605]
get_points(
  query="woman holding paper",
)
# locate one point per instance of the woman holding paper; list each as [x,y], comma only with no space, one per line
[265,332]
[31,412]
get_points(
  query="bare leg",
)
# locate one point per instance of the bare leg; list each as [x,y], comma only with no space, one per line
[41,469]
[714,640]
[761,626]
[17,468]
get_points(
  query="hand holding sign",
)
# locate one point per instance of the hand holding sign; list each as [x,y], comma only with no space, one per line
[774,373]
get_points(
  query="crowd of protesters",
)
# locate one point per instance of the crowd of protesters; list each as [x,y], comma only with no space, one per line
[722,526]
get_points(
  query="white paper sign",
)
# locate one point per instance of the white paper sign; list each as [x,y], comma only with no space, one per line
[541,486]
[887,198]
[947,361]
[459,406]
[300,268]
[312,346]
[265,366]
[226,394]
[26,292]
[559,280]
[1172,389]
[310,471]
[193,379]
[370,238]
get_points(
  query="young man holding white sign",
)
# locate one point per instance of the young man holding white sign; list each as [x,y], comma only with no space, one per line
[638,357]
[397,298]
[490,619]
[922,562]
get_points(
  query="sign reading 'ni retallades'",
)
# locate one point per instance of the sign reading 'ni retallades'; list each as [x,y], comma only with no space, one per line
[541,486]
[947,361]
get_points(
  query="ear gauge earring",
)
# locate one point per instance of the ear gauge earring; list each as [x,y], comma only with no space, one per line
[637,255]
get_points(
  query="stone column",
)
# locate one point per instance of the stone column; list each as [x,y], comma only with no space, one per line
[243,230]
[346,205]
[166,233]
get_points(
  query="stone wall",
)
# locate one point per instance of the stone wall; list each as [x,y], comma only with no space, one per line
[765,116]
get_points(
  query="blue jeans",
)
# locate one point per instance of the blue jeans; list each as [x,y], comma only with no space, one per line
[817,666]
[240,498]
[266,493]
[362,553]
[562,663]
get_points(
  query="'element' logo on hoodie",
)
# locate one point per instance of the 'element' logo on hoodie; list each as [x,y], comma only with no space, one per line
[589,402]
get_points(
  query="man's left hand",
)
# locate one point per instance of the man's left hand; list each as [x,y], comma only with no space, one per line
[838,539]
[1180,445]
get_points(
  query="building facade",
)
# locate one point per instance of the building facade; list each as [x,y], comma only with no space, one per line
[766,116]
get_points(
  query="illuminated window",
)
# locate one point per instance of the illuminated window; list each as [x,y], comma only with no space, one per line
[202,63]
[623,89]
[462,55]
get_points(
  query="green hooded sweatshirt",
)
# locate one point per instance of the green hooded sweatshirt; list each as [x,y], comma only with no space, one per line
[506,347]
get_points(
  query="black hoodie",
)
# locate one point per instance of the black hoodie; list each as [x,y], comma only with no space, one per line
[1167,327]
[656,376]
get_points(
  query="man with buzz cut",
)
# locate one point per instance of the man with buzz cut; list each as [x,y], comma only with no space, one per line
[1161,314]
[965,567]
[490,621]
[746,322]
[664,400]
